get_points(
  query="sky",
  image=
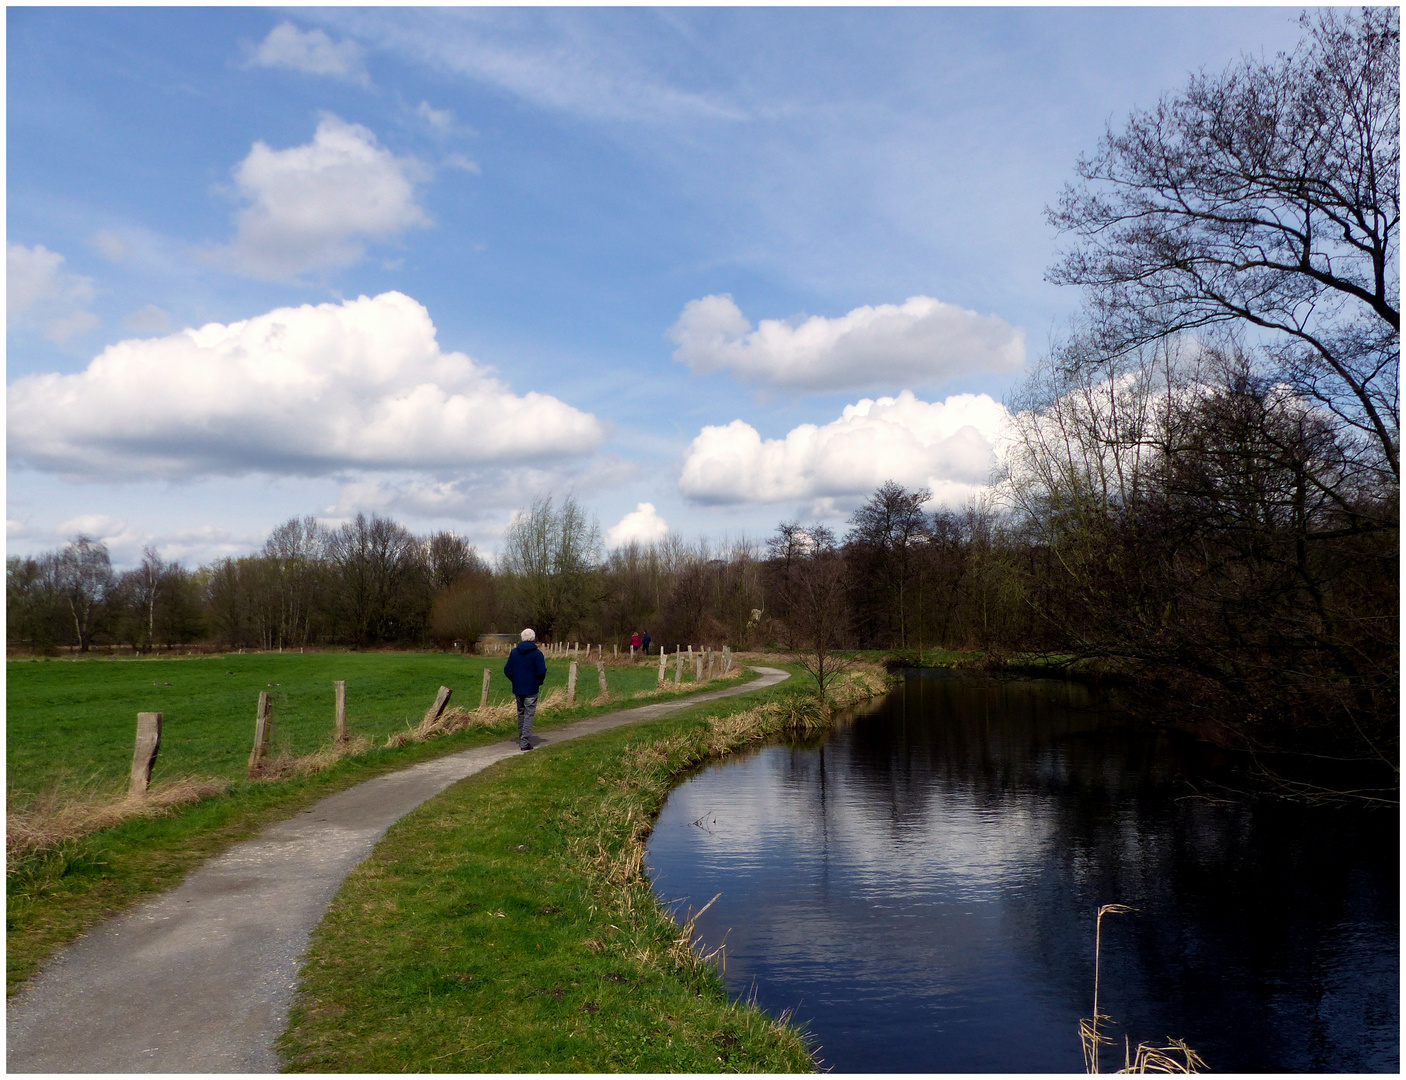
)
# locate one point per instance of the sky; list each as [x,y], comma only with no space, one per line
[703,269]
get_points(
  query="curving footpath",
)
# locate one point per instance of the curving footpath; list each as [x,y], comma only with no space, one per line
[200,979]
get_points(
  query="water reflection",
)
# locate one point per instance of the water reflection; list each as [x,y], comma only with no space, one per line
[920,888]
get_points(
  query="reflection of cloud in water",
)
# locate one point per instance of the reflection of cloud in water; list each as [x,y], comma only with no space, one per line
[922,889]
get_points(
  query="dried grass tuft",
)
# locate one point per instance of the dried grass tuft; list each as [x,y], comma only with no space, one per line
[57,816]
[287,766]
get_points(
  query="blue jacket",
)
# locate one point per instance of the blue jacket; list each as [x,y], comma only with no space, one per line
[526,667]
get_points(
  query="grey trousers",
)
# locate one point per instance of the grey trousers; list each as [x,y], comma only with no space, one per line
[526,708]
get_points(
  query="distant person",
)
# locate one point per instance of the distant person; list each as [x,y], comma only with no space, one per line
[645,641]
[527,670]
[634,641]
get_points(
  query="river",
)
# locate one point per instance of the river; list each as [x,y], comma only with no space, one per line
[919,889]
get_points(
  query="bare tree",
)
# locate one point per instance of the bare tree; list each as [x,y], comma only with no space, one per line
[819,610]
[880,548]
[1267,196]
[84,576]
[553,556]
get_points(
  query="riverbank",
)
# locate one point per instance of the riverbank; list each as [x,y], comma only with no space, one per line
[508,924]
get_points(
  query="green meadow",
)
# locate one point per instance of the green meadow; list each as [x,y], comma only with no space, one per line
[70,724]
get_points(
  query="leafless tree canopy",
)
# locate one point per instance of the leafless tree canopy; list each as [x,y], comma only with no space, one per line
[1267,195]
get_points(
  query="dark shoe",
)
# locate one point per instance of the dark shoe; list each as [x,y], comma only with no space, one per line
[528,746]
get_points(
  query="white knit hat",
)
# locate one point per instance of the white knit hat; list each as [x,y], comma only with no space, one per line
[529,634]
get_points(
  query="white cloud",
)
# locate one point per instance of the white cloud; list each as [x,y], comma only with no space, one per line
[551,58]
[110,245]
[459,161]
[39,292]
[439,119]
[302,391]
[148,320]
[310,51]
[920,342]
[313,207]
[946,446]
[642,524]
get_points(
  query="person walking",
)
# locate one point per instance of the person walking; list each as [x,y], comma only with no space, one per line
[526,669]
[634,642]
[645,642]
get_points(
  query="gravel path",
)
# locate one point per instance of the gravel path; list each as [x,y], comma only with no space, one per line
[200,979]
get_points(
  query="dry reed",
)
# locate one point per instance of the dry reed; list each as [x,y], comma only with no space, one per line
[290,765]
[57,816]
[1146,1058]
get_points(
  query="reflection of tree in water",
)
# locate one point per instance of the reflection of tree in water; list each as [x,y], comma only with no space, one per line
[1267,932]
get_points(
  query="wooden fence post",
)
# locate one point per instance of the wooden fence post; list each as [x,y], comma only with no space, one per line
[483,699]
[678,664]
[663,659]
[615,649]
[340,688]
[698,666]
[710,664]
[263,733]
[571,685]
[441,702]
[600,676]
[727,660]
[144,756]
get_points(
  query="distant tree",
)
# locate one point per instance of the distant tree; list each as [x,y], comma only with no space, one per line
[296,555]
[880,547]
[551,555]
[381,580]
[450,557]
[35,613]
[819,609]
[83,574]
[1267,196]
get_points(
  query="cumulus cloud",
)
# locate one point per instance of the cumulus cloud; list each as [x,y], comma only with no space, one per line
[921,341]
[948,446]
[313,207]
[642,524]
[305,391]
[310,51]
[39,292]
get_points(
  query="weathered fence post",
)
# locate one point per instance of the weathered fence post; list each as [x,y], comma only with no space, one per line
[571,685]
[483,698]
[615,651]
[698,666]
[710,664]
[144,756]
[600,677]
[663,659]
[441,702]
[678,664]
[339,688]
[727,660]
[263,733]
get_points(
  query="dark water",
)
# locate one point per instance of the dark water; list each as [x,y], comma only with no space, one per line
[921,887]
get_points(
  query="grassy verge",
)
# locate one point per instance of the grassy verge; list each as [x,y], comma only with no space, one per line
[58,888]
[507,925]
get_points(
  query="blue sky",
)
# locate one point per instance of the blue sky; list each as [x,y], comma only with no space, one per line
[705,268]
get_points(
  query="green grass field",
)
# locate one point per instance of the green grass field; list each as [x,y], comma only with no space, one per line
[69,734]
[70,724]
